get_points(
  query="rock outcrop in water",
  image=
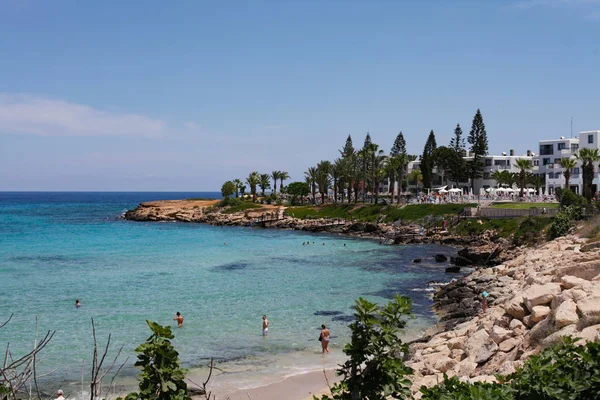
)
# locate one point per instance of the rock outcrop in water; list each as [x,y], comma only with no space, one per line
[534,299]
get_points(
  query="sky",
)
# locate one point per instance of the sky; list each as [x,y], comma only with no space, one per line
[182,96]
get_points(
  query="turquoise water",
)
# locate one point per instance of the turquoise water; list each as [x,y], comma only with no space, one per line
[58,247]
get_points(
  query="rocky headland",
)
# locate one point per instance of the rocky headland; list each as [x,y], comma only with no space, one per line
[487,249]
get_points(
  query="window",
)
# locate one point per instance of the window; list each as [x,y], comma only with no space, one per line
[550,174]
[545,161]
[574,147]
[557,175]
[499,162]
[561,146]
[556,160]
[488,162]
[486,175]
[575,171]
[536,162]
[590,138]
[546,149]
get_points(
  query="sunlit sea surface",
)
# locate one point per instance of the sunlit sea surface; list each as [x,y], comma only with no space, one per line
[58,247]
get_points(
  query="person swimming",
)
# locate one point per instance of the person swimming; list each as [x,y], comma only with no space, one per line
[179,318]
[77,303]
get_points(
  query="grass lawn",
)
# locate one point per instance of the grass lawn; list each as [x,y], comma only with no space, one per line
[372,212]
[241,207]
[525,206]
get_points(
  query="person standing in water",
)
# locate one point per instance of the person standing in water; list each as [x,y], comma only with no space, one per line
[324,339]
[266,323]
[77,303]
[179,318]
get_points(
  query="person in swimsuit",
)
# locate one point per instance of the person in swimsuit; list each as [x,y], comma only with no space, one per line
[324,339]
[77,303]
[179,318]
[265,330]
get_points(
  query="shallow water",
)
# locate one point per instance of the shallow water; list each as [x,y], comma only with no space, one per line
[58,247]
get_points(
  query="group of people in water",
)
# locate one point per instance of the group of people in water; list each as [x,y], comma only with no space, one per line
[323,337]
[308,243]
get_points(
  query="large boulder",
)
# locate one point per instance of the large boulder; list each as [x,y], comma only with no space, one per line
[566,314]
[515,307]
[570,330]
[486,351]
[538,313]
[589,308]
[444,363]
[590,334]
[499,334]
[569,282]
[508,344]
[540,294]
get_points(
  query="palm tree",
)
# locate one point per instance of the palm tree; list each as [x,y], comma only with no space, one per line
[378,172]
[567,164]
[283,175]
[238,184]
[393,165]
[337,177]
[323,179]
[264,181]
[416,176]
[588,157]
[252,180]
[524,166]
[311,179]
[364,156]
[499,177]
[275,175]
[536,180]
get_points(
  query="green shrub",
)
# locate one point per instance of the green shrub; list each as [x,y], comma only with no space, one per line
[161,377]
[564,372]
[567,198]
[374,369]
[530,230]
[230,201]
[454,389]
[563,221]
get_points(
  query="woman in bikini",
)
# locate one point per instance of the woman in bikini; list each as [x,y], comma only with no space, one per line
[325,339]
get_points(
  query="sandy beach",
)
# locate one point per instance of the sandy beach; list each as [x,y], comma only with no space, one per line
[297,387]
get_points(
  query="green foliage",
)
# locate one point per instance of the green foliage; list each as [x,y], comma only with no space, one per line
[374,369]
[567,198]
[161,377]
[240,206]
[531,230]
[229,201]
[228,189]
[563,221]
[454,389]
[427,160]
[297,190]
[399,146]
[376,212]
[564,372]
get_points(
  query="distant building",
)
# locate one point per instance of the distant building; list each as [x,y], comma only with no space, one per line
[553,150]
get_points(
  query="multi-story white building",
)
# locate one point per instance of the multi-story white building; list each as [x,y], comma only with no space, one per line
[492,163]
[553,150]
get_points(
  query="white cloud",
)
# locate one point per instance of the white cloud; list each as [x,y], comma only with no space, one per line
[37,115]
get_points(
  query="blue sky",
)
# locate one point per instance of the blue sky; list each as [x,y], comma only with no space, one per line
[120,95]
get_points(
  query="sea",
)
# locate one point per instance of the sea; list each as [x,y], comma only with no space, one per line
[56,247]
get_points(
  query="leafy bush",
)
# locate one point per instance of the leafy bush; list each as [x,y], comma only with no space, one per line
[454,389]
[565,371]
[230,201]
[530,230]
[374,370]
[161,377]
[567,198]
[563,221]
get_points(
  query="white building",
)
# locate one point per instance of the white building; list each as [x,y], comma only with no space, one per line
[551,151]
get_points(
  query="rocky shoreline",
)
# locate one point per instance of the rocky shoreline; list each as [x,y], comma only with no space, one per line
[543,294]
